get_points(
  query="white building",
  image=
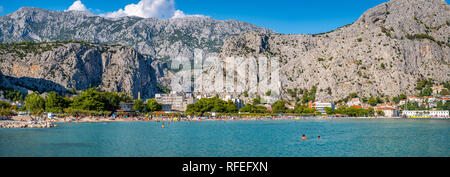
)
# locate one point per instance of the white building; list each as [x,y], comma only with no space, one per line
[437,89]
[289,106]
[431,99]
[402,102]
[238,102]
[174,101]
[320,106]
[388,111]
[425,113]
[354,102]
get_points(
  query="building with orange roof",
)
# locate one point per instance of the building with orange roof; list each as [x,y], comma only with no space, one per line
[357,106]
[388,111]
[354,101]
[290,106]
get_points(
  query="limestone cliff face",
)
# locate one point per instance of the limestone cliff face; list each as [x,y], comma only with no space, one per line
[46,67]
[384,52]
[159,38]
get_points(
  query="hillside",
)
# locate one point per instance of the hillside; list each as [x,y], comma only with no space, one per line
[384,53]
[63,66]
[159,38]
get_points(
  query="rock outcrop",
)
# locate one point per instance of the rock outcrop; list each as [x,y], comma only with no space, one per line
[384,52]
[60,67]
[159,38]
[29,124]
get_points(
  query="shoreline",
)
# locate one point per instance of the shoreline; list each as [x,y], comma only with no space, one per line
[26,122]
[90,120]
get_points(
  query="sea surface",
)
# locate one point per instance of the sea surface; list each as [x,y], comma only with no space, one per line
[274,138]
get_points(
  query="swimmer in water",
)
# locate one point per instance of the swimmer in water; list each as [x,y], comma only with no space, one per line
[318,137]
[303,137]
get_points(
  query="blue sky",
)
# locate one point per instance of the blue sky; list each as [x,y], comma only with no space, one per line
[283,16]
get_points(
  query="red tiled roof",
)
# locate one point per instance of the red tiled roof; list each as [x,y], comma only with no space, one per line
[391,108]
[357,106]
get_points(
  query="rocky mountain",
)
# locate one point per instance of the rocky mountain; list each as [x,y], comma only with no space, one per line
[62,66]
[383,53]
[159,38]
[115,68]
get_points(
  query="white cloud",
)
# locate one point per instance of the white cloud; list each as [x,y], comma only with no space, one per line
[146,9]
[180,14]
[150,8]
[78,6]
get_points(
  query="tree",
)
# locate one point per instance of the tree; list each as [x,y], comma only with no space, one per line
[305,98]
[34,103]
[211,105]
[153,106]
[307,110]
[318,113]
[4,105]
[90,99]
[12,95]
[298,107]
[257,100]
[341,110]
[111,100]
[446,85]
[292,93]
[444,92]
[329,111]
[231,107]
[380,113]
[426,92]
[55,102]
[396,99]
[139,106]
[370,112]
[443,106]
[253,109]
[279,107]
[312,94]
[402,96]
[268,93]
[424,83]
[372,101]
[247,108]
[379,100]
[353,95]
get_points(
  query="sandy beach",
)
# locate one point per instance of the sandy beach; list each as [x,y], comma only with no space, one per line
[94,119]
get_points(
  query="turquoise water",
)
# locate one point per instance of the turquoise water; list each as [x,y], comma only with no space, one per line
[339,138]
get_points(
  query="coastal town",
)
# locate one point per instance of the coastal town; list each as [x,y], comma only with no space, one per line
[189,106]
[177,102]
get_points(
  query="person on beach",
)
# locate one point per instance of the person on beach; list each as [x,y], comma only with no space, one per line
[303,137]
